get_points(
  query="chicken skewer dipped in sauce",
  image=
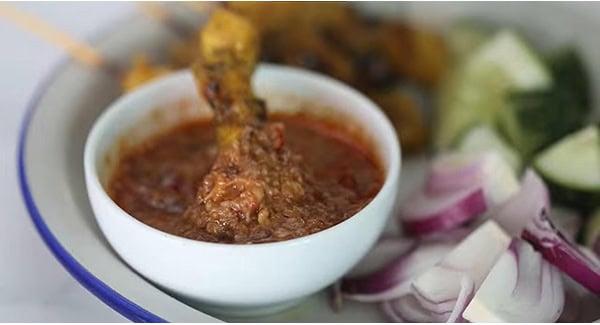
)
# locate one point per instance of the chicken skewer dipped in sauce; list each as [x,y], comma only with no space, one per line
[253,167]
[255,177]
[270,178]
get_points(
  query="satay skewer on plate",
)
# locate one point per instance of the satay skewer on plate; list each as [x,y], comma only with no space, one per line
[254,168]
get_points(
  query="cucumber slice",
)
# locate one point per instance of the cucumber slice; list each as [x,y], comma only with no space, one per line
[535,119]
[512,56]
[484,138]
[574,161]
[477,90]
[572,168]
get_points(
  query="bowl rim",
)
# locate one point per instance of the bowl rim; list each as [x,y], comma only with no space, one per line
[392,172]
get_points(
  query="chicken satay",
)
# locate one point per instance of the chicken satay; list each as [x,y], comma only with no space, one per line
[228,54]
[253,168]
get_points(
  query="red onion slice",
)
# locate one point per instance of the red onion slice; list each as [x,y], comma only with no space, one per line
[408,310]
[559,251]
[459,171]
[453,172]
[525,214]
[394,280]
[388,310]
[453,235]
[531,200]
[387,249]
[451,298]
[422,214]
[446,288]
[521,287]
[460,187]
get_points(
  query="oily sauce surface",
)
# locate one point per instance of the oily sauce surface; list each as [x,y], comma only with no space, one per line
[158,180]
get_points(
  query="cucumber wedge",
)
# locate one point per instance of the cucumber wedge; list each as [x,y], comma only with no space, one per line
[572,168]
[574,161]
[535,119]
[484,138]
[514,59]
[477,90]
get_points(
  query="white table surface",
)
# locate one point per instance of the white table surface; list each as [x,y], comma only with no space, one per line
[34,287]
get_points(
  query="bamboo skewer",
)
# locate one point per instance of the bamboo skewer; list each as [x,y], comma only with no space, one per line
[80,51]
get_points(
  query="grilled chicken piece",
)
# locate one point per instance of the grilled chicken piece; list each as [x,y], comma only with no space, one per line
[228,54]
[253,166]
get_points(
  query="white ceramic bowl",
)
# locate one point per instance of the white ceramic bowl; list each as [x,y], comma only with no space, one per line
[239,279]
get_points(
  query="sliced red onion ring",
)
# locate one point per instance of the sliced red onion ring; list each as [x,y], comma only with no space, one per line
[394,280]
[387,249]
[531,199]
[458,171]
[561,252]
[444,290]
[446,302]
[521,287]
[388,310]
[407,309]
[525,214]
[422,214]
[453,172]
[499,181]
[453,235]
[460,187]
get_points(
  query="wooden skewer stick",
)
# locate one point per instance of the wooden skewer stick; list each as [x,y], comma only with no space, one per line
[80,51]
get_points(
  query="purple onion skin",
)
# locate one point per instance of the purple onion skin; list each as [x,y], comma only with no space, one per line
[379,281]
[441,181]
[558,250]
[457,215]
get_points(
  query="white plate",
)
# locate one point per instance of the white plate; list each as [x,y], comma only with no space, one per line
[65,106]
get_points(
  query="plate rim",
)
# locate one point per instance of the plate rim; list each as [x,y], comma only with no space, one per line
[101,290]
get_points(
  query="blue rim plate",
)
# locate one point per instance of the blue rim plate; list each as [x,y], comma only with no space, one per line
[70,82]
[131,296]
[109,296]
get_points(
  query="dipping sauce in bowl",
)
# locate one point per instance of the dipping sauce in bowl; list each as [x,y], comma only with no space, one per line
[157,181]
[169,148]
